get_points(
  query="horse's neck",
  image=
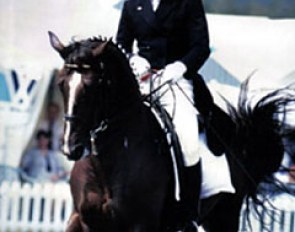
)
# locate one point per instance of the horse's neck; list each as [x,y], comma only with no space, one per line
[127,90]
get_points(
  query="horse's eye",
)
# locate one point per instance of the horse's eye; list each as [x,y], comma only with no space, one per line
[87,81]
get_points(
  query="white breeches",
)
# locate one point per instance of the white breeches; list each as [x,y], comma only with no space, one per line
[184,117]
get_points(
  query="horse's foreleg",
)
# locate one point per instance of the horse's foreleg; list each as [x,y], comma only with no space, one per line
[95,209]
[90,207]
[88,194]
[74,223]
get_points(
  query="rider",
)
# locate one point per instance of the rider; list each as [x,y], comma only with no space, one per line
[171,35]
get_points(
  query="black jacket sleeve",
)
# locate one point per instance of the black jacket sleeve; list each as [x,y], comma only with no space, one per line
[125,35]
[198,36]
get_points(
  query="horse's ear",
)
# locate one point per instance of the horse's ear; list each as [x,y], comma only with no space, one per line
[55,42]
[99,49]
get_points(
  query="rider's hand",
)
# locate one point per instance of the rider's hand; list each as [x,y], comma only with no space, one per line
[174,71]
[139,65]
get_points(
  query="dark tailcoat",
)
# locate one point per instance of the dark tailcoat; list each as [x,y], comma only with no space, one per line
[176,31]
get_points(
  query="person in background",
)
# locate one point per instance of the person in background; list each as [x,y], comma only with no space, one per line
[53,125]
[41,163]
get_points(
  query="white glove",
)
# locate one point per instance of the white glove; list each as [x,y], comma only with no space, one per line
[173,72]
[139,65]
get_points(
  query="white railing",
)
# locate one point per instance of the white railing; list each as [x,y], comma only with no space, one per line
[38,207]
[269,220]
[47,207]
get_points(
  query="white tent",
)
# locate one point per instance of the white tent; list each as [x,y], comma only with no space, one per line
[244,44]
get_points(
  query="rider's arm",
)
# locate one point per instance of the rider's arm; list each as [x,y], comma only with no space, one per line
[125,34]
[198,36]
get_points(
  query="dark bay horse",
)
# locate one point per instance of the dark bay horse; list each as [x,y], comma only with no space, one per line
[123,185]
[126,184]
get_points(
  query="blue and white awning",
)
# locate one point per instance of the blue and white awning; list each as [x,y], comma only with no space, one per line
[22,94]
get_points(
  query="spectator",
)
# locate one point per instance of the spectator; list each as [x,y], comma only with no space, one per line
[41,163]
[53,125]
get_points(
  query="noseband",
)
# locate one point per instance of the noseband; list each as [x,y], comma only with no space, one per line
[69,118]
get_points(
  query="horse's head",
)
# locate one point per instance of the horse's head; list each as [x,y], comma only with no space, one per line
[78,80]
[96,82]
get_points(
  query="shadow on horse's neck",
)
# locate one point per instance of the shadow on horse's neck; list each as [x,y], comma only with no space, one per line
[123,90]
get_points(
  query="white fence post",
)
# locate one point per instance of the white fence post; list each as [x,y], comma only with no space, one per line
[4,209]
[26,204]
[14,203]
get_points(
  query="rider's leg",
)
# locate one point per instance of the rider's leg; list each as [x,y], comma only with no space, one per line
[184,117]
[180,107]
[190,196]
[214,118]
[202,97]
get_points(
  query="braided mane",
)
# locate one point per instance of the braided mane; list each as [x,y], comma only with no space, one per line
[78,52]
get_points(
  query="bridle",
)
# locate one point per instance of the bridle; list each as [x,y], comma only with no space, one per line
[93,134]
[69,118]
[100,81]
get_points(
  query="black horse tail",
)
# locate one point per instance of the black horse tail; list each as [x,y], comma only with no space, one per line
[252,135]
[261,131]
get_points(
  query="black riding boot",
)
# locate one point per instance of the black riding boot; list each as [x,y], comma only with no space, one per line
[191,195]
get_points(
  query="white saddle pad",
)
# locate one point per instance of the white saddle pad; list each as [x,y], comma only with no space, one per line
[215,172]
